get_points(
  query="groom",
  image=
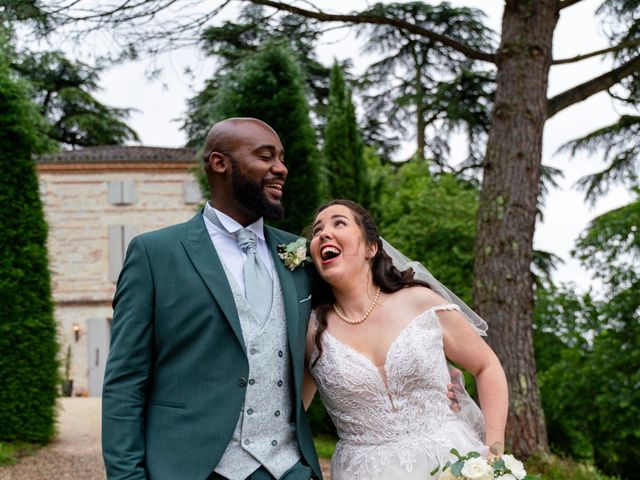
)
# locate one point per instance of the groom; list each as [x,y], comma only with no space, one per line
[204,376]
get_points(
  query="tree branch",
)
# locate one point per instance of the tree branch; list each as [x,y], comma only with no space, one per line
[464,168]
[126,6]
[619,98]
[378,20]
[633,43]
[567,3]
[591,87]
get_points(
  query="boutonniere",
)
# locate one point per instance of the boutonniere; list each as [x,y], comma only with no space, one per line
[294,254]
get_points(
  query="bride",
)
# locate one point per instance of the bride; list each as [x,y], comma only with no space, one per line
[377,353]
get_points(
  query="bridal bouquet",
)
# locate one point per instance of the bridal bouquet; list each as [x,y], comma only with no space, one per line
[473,467]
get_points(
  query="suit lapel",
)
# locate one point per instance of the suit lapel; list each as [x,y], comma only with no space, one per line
[289,292]
[207,263]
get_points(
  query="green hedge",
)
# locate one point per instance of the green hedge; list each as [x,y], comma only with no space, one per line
[28,348]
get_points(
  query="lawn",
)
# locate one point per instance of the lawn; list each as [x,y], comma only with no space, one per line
[11,452]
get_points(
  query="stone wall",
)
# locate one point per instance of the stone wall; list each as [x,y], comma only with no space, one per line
[79,215]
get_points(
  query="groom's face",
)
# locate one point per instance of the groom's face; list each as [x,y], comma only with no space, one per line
[258,171]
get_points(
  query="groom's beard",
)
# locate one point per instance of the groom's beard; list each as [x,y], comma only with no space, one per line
[251,195]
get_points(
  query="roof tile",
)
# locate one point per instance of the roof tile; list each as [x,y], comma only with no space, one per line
[119,153]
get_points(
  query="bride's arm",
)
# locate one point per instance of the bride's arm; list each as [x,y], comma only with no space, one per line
[465,347]
[308,389]
[308,385]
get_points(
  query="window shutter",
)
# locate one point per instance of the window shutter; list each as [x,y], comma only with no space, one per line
[122,193]
[129,231]
[116,257]
[129,194]
[119,238]
[115,193]
[192,192]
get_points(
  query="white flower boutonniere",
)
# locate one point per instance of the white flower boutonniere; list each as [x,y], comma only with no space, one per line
[294,254]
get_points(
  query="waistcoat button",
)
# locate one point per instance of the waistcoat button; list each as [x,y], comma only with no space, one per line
[280,353]
[274,443]
[252,381]
[277,414]
[250,412]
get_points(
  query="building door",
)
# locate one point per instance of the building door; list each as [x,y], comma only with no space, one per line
[99,332]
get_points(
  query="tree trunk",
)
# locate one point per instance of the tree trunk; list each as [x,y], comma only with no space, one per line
[420,108]
[503,287]
[421,127]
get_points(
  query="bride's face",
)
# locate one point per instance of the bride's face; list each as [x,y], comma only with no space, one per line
[338,247]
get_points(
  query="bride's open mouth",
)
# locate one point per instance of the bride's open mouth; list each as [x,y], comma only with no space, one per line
[329,253]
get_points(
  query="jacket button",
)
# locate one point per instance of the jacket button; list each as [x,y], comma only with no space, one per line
[242,382]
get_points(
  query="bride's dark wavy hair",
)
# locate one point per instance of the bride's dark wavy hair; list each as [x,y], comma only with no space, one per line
[384,274]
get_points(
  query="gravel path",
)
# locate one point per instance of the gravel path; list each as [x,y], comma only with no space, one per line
[75,453]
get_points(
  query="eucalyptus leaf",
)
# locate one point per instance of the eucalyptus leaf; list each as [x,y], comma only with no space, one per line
[456,453]
[456,468]
[499,464]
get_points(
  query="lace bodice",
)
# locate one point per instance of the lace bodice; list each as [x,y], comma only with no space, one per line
[397,419]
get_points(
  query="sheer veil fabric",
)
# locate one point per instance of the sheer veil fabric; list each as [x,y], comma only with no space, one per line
[401,262]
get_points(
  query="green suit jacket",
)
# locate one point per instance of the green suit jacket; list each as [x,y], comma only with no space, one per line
[177,370]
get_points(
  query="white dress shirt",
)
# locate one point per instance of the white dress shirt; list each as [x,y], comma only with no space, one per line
[227,245]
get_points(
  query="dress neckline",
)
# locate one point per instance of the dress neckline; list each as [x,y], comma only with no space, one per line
[383,367]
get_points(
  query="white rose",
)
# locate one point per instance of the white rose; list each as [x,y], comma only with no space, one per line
[515,465]
[506,476]
[477,468]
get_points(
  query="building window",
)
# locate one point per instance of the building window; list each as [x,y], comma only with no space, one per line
[192,192]
[119,238]
[122,193]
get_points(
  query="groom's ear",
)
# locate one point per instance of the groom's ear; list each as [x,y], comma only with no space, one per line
[218,162]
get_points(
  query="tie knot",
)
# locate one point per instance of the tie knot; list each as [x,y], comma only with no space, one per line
[246,240]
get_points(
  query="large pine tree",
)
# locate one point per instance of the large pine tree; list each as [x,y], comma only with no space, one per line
[28,347]
[269,86]
[232,42]
[343,149]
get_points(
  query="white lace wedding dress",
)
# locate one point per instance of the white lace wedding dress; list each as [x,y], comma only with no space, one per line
[401,426]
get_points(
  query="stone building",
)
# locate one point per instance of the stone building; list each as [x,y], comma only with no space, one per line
[95,200]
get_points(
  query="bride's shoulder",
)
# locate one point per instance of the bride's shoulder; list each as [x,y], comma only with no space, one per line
[419,297]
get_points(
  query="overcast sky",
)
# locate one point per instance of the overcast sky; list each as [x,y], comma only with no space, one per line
[161,102]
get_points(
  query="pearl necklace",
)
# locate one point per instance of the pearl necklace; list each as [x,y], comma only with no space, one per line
[363,317]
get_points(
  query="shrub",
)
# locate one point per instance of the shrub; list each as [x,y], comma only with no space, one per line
[28,348]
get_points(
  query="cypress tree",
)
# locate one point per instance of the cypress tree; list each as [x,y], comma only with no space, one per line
[269,86]
[343,150]
[28,347]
